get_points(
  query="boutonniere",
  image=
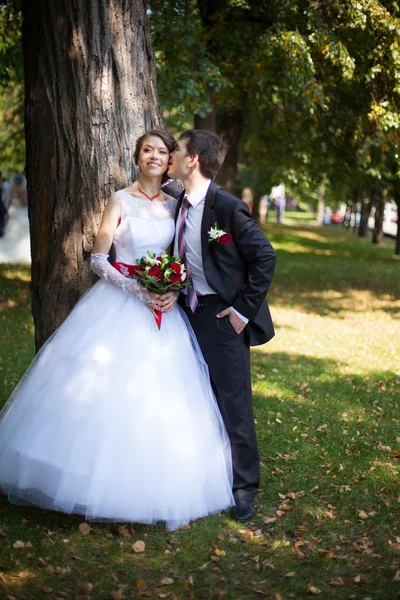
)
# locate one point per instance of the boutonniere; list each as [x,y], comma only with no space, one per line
[221,236]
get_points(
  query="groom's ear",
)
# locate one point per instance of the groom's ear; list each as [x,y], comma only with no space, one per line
[193,161]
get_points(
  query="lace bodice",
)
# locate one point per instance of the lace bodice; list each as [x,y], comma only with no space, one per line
[145,226]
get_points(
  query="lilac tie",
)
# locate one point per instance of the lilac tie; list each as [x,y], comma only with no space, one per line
[191,294]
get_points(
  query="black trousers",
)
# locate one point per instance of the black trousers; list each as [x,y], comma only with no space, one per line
[227,355]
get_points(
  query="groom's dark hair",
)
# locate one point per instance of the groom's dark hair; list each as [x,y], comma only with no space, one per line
[209,147]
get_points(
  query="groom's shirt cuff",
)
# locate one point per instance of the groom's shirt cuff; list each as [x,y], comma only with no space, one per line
[244,319]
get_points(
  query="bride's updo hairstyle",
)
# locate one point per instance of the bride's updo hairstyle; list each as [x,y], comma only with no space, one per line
[165,136]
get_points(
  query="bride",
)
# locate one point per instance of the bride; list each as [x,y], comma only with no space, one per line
[115,419]
[15,246]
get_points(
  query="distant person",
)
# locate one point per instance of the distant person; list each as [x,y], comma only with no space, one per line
[247,197]
[3,210]
[347,217]
[280,204]
[15,245]
[3,217]
[263,209]
[327,216]
[4,187]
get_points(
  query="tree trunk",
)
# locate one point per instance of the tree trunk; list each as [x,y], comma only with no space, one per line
[90,90]
[230,126]
[227,122]
[366,206]
[377,234]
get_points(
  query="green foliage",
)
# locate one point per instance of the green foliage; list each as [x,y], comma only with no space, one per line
[185,70]
[12,143]
[11,62]
[317,84]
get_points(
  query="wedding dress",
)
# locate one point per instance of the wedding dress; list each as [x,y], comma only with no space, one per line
[15,244]
[115,419]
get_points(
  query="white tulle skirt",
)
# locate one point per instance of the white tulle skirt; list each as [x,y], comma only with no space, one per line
[117,420]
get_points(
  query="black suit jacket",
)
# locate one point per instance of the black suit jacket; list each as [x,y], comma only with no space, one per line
[241,271]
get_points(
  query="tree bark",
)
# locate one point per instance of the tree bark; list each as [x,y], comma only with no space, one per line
[377,234]
[90,88]
[228,123]
[230,126]
[366,206]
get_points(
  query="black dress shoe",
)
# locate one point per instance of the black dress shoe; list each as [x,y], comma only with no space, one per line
[243,511]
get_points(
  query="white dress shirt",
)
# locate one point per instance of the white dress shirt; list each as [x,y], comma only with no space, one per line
[193,242]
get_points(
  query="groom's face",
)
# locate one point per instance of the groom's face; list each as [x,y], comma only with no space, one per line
[179,161]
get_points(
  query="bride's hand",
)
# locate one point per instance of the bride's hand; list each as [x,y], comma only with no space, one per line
[154,303]
[168,301]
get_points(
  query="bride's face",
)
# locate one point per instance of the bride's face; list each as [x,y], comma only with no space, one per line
[153,157]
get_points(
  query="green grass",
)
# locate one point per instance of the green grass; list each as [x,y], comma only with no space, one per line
[326,406]
[297,216]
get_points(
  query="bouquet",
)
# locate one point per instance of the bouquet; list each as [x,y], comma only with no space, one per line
[158,274]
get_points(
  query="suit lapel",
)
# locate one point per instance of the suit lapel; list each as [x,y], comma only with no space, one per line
[207,218]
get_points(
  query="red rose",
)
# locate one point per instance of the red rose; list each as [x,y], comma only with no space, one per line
[175,278]
[176,267]
[155,272]
[225,239]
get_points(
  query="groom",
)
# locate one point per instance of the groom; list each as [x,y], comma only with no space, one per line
[230,263]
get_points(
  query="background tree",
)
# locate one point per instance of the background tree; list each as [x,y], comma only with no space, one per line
[12,142]
[305,93]
[90,92]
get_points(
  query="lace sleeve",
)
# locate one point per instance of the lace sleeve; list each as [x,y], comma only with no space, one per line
[100,265]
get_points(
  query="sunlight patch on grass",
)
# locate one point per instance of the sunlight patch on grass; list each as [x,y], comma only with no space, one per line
[17,273]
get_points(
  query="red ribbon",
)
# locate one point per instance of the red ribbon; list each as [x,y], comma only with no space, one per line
[130,271]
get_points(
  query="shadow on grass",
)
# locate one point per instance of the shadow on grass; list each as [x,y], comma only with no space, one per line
[310,415]
[326,272]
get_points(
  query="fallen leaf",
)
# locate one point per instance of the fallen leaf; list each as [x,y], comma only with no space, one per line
[362,515]
[336,581]
[19,544]
[139,546]
[280,513]
[344,489]
[291,574]
[270,520]
[87,587]
[219,552]
[380,446]
[166,581]
[118,595]
[311,589]
[397,576]
[141,585]
[84,528]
